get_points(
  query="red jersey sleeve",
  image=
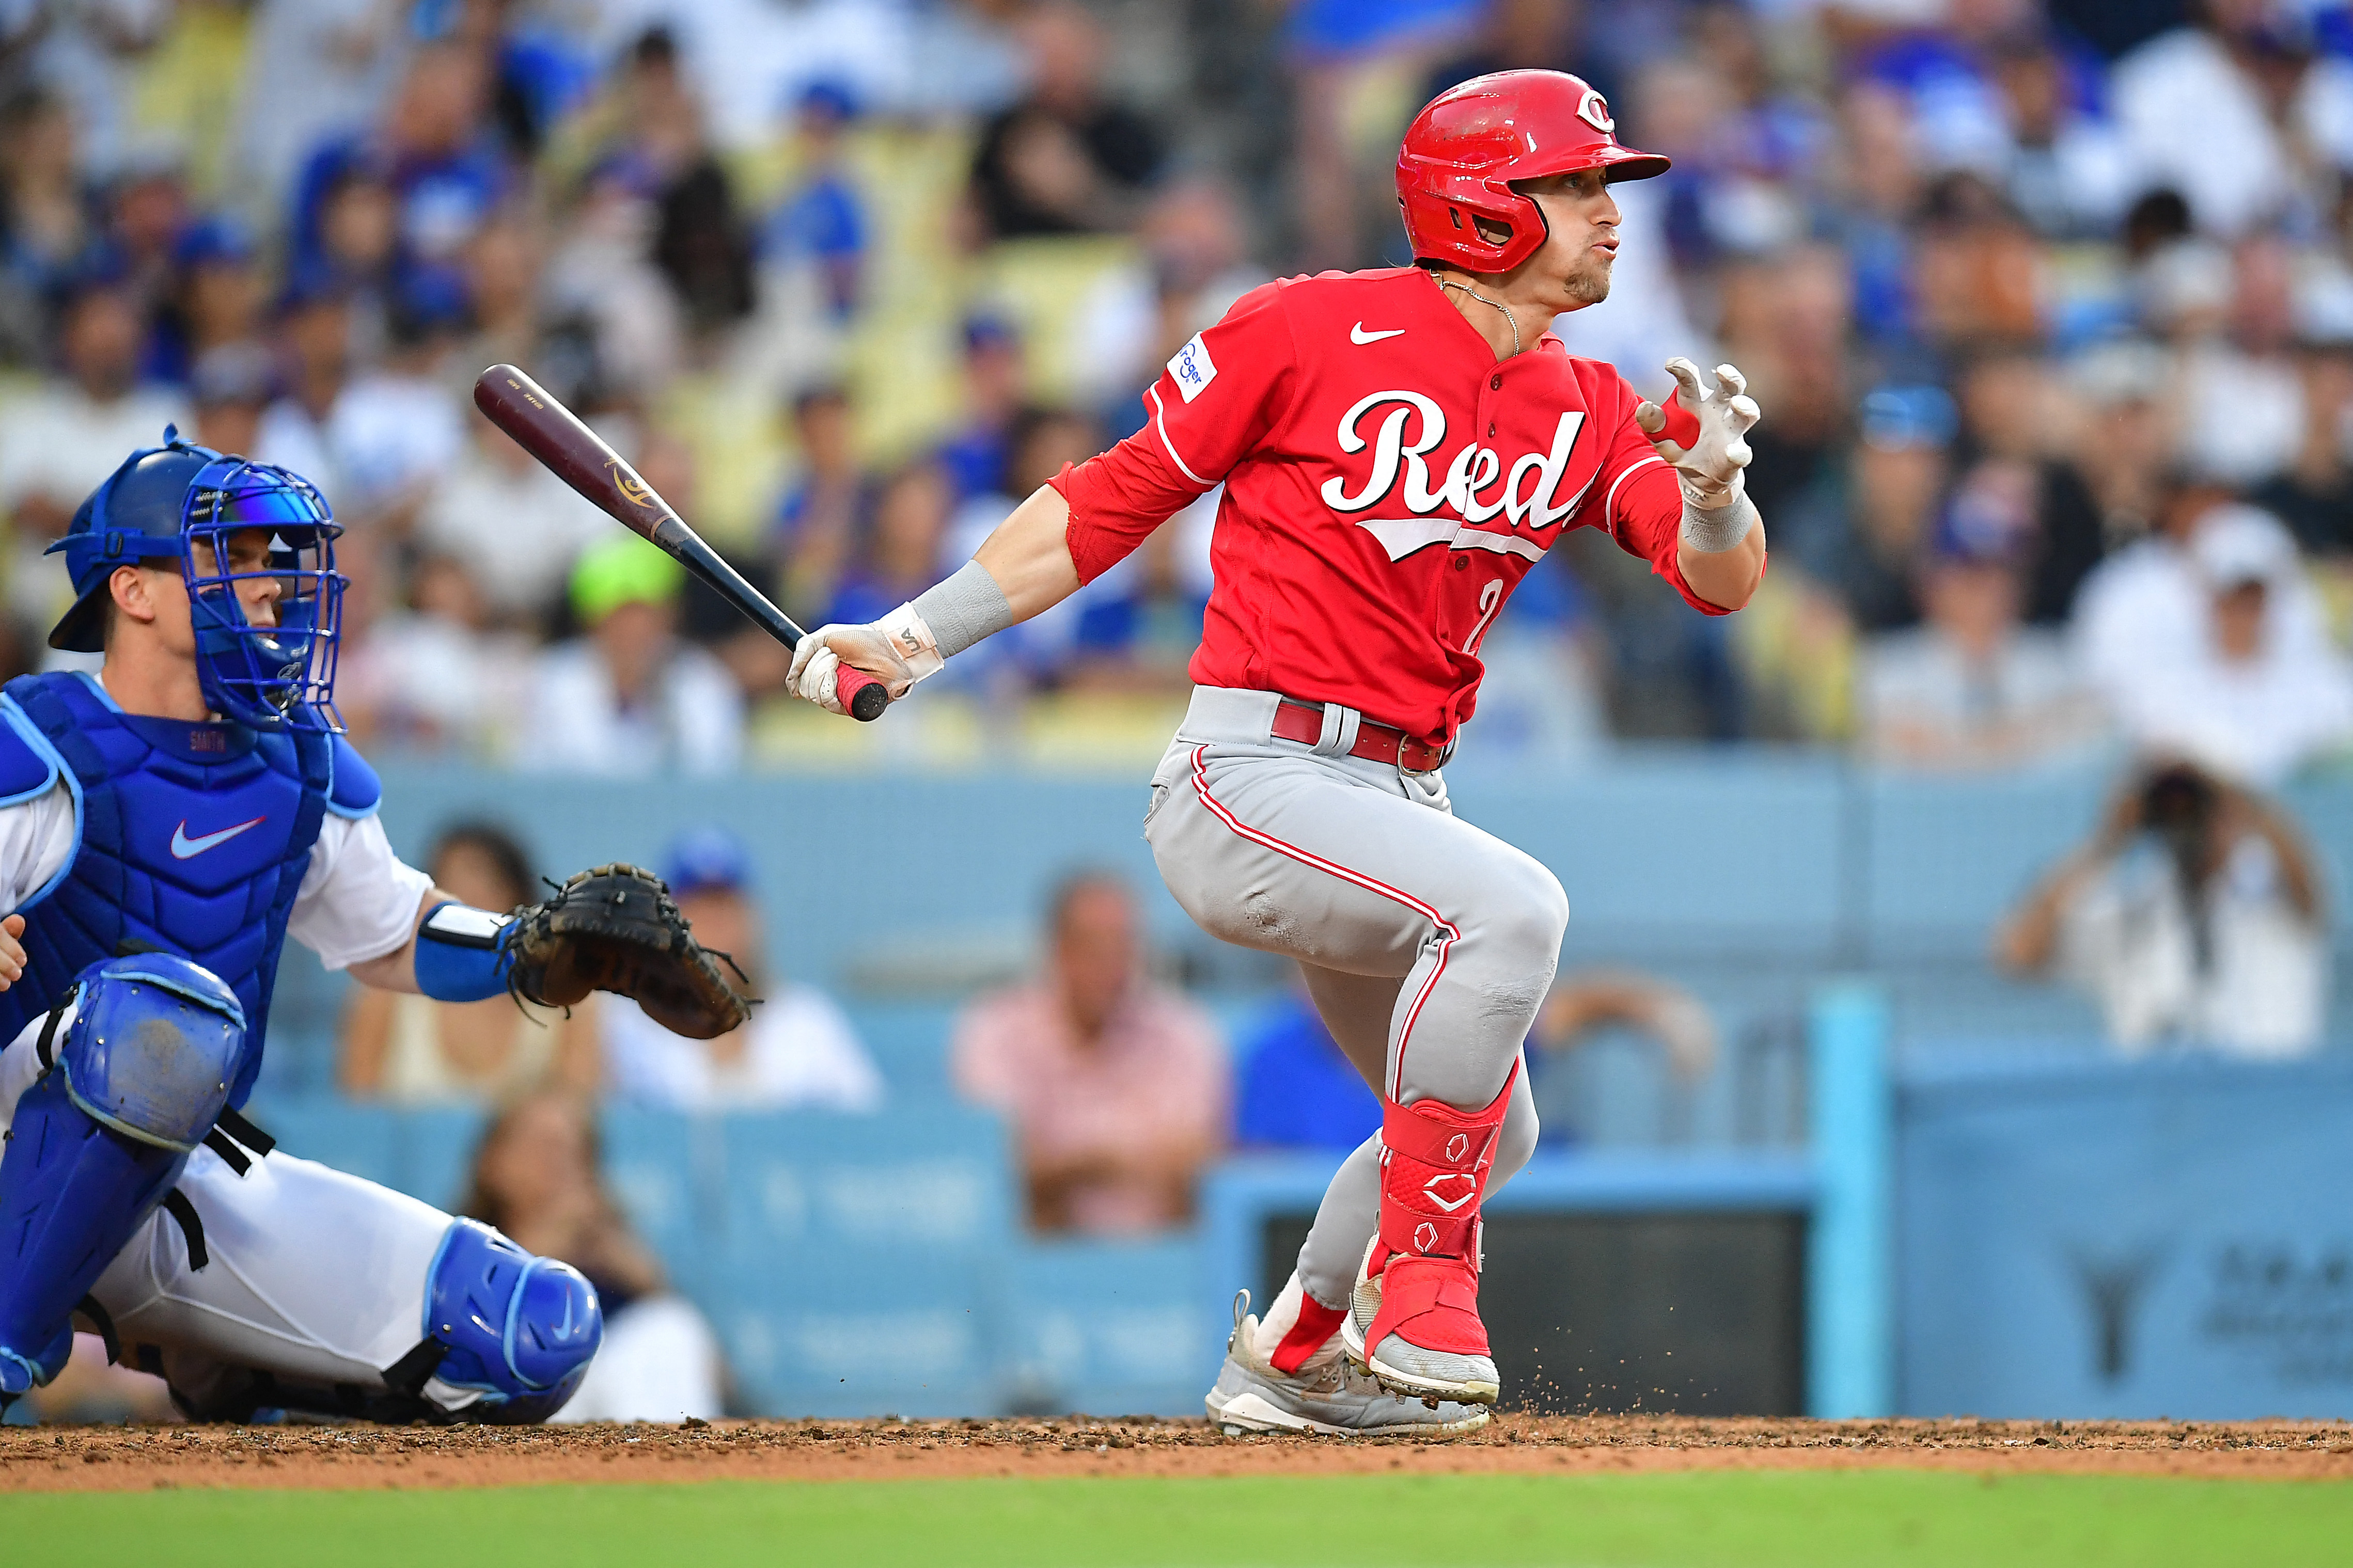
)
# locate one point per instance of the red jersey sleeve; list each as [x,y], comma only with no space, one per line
[1220,398]
[1641,503]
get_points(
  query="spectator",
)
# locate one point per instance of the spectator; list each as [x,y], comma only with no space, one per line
[410,1050]
[2253,689]
[44,217]
[314,68]
[823,220]
[1116,1088]
[314,338]
[230,386]
[435,150]
[2313,494]
[975,452]
[2124,446]
[2193,916]
[2010,412]
[629,699]
[1971,687]
[59,446]
[218,299]
[819,518]
[905,551]
[520,565]
[1295,1088]
[796,1052]
[396,430]
[2068,169]
[538,1176]
[1865,545]
[436,676]
[1066,159]
[2228,112]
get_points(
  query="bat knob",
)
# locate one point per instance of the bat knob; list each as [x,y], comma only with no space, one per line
[859,694]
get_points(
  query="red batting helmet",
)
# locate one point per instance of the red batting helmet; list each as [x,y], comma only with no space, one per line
[1463,150]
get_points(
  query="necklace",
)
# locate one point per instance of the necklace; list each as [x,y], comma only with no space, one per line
[1495,304]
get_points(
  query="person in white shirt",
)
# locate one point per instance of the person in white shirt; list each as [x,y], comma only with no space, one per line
[797,1052]
[631,698]
[58,443]
[2193,916]
[2234,670]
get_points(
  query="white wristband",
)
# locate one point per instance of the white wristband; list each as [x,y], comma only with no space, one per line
[911,640]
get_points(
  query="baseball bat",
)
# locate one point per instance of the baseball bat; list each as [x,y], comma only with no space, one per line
[579,456]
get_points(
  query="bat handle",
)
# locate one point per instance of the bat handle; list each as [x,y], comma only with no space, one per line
[861,696]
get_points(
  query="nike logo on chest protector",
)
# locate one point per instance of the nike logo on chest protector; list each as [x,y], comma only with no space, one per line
[186,849]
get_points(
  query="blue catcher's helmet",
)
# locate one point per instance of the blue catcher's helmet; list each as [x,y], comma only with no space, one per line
[164,502]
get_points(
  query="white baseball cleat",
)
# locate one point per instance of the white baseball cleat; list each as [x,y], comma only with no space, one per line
[1326,1397]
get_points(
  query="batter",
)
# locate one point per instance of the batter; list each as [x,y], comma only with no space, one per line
[1399,448]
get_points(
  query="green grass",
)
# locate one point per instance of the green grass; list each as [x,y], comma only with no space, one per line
[1741,1519]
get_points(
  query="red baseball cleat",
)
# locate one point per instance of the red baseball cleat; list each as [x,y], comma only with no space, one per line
[1413,1320]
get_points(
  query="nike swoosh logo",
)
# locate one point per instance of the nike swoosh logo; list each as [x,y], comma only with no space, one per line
[1356,334]
[186,849]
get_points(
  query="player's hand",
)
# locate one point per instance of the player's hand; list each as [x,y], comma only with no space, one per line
[1711,467]
[12,950]
[822,653]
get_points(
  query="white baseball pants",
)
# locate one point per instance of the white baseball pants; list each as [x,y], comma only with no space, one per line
[1427,945]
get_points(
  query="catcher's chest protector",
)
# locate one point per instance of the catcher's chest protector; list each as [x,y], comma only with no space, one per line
[190,838]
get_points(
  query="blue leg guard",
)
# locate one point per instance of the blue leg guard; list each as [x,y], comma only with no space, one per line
[519,1330]
[71,1193]
[141,1074]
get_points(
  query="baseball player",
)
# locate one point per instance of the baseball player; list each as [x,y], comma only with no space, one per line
[164,826]
[1399,448]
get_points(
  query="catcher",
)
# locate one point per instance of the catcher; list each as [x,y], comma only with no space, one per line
[164,826]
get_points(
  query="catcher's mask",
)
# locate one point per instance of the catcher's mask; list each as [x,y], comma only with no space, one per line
[185,503]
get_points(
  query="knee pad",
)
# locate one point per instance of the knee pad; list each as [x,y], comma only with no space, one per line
[139,1077]
[518,1330]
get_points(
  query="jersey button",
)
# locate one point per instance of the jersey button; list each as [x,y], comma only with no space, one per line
[1463,562]
[1491,432]
[1494,383]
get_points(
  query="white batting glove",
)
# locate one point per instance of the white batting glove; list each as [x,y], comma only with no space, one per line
[1710,468]
[897,650]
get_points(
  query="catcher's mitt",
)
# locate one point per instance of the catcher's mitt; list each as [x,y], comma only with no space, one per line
[616,928]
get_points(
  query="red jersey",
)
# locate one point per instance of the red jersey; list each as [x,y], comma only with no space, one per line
[1389,482]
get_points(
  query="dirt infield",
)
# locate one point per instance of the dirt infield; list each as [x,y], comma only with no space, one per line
[44,1458]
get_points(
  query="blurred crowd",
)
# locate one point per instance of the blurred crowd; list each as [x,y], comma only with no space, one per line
[2047,303]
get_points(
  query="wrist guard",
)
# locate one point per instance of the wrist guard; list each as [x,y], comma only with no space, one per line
[461,953]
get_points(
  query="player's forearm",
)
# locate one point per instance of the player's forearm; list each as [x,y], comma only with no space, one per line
[1030,555]
[1725,578]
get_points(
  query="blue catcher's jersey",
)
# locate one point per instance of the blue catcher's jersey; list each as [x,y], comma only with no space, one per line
[189,838]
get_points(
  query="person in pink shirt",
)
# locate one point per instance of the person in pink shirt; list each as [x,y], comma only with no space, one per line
[1116,1087]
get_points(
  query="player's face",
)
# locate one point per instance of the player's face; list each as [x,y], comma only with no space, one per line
[168,591]
[248,552]
[1571,270]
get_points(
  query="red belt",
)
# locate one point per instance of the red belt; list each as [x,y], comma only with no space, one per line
[1376,742]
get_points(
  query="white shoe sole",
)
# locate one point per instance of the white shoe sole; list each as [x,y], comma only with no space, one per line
[1407,1385]
[1247,1412]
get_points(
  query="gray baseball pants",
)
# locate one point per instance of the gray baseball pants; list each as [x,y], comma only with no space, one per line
[1427,944]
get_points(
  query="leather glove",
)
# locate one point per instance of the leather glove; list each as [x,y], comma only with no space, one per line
[1705,438]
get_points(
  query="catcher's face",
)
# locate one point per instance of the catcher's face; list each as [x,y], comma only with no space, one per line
[155,597]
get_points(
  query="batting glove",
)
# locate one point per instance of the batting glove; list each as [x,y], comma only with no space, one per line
[898,650]
[1705,440]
